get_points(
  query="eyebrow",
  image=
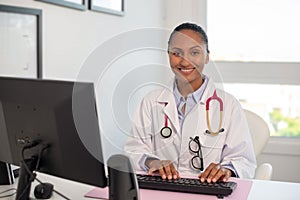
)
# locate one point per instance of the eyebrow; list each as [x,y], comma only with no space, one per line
[197,46]
[193,47]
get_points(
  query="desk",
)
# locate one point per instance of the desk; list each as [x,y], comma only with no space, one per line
[261,190]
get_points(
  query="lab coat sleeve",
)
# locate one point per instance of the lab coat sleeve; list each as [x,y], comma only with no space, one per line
[139,144]
[238,149]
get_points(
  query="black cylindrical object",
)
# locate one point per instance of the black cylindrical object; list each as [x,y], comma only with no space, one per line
[121,179]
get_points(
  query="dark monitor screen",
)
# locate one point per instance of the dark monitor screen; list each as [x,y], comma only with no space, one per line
[60,115]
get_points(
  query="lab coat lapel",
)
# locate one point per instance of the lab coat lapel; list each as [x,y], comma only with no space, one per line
[169,109]
[208,92]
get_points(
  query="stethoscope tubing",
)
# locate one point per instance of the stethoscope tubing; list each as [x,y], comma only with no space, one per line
[210,131]
[166,131]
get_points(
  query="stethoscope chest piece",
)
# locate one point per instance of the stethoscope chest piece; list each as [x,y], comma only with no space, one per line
[166,132]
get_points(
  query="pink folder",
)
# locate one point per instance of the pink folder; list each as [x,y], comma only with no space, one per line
[240,193]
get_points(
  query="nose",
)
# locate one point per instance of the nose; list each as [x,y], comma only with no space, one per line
[184,62]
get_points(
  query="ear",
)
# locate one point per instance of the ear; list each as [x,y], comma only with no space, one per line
[207,58]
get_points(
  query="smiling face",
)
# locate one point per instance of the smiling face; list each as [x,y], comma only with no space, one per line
[188,55]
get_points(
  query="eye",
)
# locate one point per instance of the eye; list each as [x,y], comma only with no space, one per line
[195,53]
[177,54]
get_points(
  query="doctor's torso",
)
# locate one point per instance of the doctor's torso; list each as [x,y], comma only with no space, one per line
[161,103]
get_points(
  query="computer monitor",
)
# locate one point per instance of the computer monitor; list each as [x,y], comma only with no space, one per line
[54,123]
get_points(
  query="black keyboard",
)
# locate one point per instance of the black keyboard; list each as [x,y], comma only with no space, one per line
[220,189]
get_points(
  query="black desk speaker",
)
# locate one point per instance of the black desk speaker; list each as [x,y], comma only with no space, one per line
[122,180]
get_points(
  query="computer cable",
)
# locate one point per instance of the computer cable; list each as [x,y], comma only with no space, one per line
[36,169]
[33,174]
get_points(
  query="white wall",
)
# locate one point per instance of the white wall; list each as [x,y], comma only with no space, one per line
[284,155]
[178,11]
[70,35]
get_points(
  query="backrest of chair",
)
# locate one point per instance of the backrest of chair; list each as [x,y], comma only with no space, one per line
[259,131]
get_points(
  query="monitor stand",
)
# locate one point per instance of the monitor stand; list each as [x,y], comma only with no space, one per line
[26,178]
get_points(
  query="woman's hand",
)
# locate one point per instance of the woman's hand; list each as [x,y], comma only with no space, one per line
[165,168]
[215,172]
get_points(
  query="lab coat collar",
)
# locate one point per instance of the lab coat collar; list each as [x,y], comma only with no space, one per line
[209,91]
[167,98]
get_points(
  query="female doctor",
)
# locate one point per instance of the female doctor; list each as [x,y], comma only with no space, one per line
[193,128]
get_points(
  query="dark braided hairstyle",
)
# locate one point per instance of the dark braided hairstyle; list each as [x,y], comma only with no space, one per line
[193,27]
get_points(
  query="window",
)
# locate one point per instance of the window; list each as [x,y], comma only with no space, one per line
[278,105]
[254,30]
[255,46]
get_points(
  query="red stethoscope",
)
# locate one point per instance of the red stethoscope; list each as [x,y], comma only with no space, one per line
[166,131]
[210,131]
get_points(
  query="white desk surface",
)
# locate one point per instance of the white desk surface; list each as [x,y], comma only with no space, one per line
[261,190]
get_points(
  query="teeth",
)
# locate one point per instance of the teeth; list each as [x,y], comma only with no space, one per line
[186,70]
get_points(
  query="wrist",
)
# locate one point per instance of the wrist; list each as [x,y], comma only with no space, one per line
[149,162]
[232,174]
[231,169]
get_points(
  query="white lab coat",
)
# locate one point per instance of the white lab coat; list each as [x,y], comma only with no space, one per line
[233,146]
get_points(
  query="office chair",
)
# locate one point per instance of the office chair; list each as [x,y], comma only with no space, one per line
[260,134]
